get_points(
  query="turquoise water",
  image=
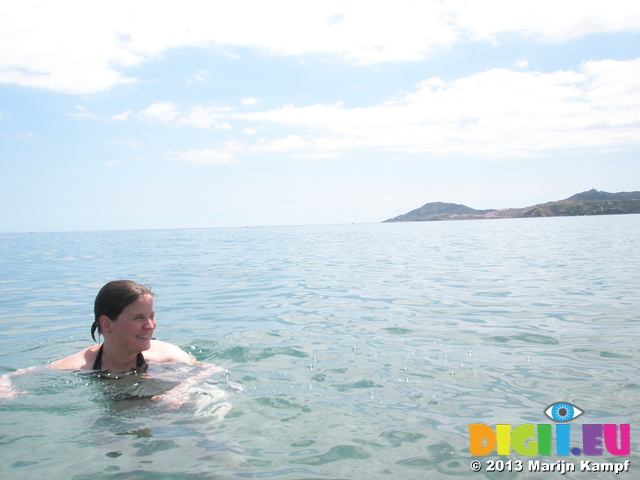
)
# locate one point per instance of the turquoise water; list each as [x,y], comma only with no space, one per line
[352,351]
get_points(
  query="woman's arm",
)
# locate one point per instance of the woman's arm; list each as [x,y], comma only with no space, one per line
[82,360]
[7,390]
[179,395]
[164,352]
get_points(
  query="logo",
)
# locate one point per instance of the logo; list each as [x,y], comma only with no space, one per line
[562,412]
[542,439]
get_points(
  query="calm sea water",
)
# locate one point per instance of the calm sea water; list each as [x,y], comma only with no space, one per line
[353,351]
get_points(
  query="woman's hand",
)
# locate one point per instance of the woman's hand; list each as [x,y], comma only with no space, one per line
[179,395]
[7,392]
[173,399]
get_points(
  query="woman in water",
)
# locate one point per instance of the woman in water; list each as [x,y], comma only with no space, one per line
[125,318]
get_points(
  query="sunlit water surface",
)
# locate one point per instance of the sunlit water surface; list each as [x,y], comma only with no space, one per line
[353,351]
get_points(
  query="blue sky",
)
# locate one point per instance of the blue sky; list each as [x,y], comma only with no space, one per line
[136,115]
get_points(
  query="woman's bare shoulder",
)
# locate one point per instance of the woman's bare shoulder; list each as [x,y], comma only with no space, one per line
[164,352]
[81,360]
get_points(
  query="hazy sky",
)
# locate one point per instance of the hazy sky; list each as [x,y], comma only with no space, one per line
[167,114]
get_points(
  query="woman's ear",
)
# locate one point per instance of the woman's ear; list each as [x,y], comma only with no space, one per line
[105,324]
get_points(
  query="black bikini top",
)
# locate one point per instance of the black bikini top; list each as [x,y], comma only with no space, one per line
[141,363]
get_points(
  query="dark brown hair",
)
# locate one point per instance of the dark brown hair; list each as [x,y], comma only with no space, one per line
[113,298]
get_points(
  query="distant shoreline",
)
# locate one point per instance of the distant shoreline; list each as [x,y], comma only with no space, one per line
[591,202]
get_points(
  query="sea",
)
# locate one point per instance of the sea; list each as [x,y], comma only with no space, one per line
[359,351]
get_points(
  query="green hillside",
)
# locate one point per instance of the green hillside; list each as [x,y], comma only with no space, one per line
[592,202]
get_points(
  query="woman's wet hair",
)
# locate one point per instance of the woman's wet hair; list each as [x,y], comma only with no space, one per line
[113,298]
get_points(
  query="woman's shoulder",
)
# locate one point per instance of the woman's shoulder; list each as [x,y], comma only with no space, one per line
[164,352]
[82,360]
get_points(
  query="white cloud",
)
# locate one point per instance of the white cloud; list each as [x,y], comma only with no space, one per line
[205,117]
[122,116]
[198,76]
[197,116]
[522,64]
[161,111]
[495,113]
[126,142]
[249,101]
[80,112]
[548,20]
[226,153]
[79,47]
[320,155]
[70,47]
[290,143]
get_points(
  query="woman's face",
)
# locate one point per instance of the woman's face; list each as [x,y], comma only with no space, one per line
[134,327]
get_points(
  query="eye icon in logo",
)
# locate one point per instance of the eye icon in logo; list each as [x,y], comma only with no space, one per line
[562,412]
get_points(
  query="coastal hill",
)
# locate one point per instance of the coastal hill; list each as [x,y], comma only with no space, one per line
[591,202]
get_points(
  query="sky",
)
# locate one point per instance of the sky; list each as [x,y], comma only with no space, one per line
[194,114]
